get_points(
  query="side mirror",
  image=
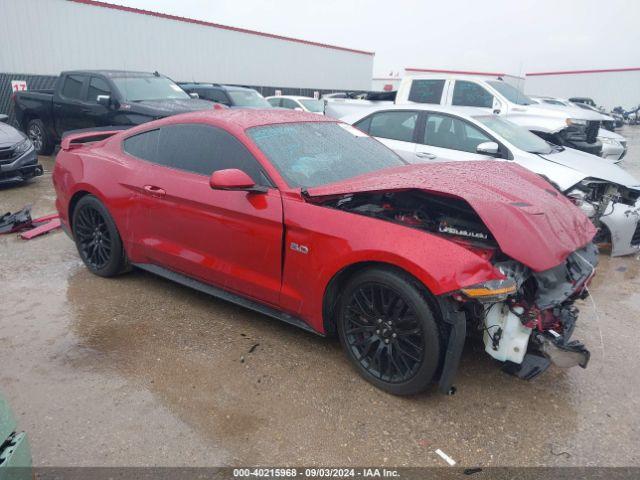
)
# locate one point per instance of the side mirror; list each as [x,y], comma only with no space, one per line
[299,109]
[194,95]
[488,148]
[234,179]
[3,117]
[104,100]
[497,106]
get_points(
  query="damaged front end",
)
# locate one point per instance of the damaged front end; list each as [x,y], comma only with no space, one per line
[526,318]
[614,210]
[531,325]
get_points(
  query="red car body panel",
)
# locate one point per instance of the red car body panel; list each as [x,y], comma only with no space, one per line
[243,242]
[531,221]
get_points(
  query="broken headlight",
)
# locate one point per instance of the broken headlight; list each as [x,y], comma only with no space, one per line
[491,291]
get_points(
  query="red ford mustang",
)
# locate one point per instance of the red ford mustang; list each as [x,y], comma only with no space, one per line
[310,221]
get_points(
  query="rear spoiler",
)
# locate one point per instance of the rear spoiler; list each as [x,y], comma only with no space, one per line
[75,140]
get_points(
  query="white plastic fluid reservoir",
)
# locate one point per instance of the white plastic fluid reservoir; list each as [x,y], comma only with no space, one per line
[511,343]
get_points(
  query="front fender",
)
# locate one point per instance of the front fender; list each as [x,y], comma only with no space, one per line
[336,240]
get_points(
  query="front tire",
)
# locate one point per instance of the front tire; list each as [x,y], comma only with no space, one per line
[37,133]
[97,238]
[389,331]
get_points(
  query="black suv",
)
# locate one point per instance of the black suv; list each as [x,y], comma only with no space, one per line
[231,96]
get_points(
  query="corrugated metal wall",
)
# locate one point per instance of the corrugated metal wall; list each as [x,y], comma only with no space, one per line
[34,82]
[45,37]
[608,89]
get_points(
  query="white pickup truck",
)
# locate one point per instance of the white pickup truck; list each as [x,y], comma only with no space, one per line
[572,127]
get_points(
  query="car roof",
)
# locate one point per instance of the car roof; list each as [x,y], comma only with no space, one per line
[461,111]
[455,76]
[215,86]
[293,97]
[112,73]
[247,118]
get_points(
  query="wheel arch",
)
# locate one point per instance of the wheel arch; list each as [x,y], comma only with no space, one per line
[73,202]
[332,291]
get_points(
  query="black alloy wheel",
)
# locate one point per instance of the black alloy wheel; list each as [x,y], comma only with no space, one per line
[93,237]
[97,238]
[384,333]
[389,332]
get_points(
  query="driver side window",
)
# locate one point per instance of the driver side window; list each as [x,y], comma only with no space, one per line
[470,94]
[196,148]
[97,86]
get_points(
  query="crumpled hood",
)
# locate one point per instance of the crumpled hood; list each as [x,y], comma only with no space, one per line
[9,135]
[168,107]
[531,221]
[591,166]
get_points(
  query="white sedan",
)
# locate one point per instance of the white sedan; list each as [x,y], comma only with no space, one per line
[302,104]
[606,193]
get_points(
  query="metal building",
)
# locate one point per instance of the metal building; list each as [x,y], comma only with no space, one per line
[41,38]
[608,88]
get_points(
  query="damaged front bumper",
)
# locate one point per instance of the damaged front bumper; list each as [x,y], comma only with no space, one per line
[533,329]
[623,223]
[22,168]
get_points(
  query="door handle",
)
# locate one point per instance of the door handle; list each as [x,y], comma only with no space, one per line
[428,155]
[154,191]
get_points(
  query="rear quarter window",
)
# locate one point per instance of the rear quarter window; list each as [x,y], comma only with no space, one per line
[143,146]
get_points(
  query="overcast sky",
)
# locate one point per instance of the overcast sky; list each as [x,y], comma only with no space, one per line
[511,36]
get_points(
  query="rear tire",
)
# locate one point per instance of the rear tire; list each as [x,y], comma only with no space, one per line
[37,133]
[97,238]
[389,331]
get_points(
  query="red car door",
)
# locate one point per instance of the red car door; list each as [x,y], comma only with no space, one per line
[231,239]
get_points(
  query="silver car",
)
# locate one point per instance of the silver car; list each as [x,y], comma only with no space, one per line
[606,193]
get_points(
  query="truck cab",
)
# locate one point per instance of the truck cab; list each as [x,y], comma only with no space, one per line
[98,98]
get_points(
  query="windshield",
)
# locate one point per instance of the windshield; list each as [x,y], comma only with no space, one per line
[248,98]
[316,153]
[518,136]
[137,89]
[510,93]
[316,106]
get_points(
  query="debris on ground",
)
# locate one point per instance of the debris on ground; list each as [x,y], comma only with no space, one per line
[21,221]
[446,457]
[557,454]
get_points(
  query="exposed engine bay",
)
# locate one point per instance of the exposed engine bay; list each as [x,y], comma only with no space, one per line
[447,216]
[528,324]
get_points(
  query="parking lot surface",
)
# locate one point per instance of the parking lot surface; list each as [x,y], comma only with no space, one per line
[137,371]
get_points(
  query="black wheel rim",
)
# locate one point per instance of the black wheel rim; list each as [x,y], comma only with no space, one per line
[92,235]
[384,333]
[35,135]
